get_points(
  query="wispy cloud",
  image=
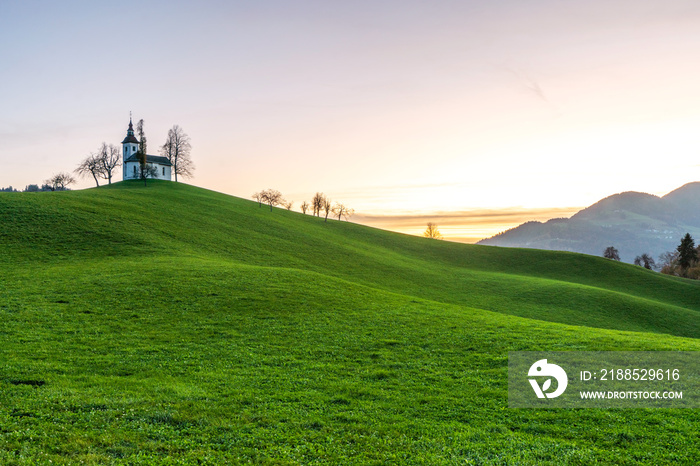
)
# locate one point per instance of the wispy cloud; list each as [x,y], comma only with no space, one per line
[534,86]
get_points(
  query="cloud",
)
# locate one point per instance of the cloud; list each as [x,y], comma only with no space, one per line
[530,84]
[477,217]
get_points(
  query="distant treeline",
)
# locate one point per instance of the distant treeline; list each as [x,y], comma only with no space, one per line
[32,188]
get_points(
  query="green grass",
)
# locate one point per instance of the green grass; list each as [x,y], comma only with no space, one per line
[175,325]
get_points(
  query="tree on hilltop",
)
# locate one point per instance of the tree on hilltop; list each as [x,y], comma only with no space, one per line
[59,182]
[146,170]
[177,149]
[327,207]
[100,164]
[271,197]
[109,159]
[317,203]
[342,212]
[432,231]
[646,260]
[90,166]
[611,253]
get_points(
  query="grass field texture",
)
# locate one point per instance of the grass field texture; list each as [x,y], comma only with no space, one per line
[169,324]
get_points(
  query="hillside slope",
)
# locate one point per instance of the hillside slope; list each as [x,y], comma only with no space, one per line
[176,220]
[175,325]
[634,223]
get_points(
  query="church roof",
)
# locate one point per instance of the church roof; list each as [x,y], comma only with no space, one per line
[151,159]
[130,134]
[130,138]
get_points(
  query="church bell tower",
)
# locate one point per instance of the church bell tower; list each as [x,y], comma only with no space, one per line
[130,144]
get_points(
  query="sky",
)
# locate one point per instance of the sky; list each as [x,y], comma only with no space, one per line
[475,115]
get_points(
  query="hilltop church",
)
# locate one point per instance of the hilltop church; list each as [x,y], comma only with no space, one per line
[130,146]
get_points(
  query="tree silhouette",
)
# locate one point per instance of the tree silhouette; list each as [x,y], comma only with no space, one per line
[90,166]
[687,255]
[177,149]
[271,197]
[146,170]
[109,159]
[317,203]
[432,231]
[611,253]
[327,207]
[342,212]
[59,182]
[646,260]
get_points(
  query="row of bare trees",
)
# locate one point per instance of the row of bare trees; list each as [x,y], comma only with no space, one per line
[320,204]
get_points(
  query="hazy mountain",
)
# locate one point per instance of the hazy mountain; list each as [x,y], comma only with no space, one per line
[633,222]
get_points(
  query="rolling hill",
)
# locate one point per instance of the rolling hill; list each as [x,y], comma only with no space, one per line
[635,223]
[171,324]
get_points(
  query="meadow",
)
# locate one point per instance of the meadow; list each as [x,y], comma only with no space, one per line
[170,324]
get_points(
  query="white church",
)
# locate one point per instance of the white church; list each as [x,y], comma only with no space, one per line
[130,145]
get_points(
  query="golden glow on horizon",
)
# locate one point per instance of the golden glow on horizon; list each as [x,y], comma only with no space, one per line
[466,226]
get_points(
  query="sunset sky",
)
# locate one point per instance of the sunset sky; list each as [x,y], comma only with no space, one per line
[477,115]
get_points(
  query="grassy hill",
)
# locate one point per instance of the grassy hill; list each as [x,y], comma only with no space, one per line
[172,323]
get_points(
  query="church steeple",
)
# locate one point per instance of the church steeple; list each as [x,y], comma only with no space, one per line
[130,145]
[130,138]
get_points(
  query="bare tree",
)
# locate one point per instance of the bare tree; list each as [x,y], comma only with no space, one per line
[177,149]
[101,164]
[272,197]
[668,263]
[646,260]
[287,204]
[258,197]
[91,166]
[327,207]
[317,203]
[59,182]
[342,212]
[109,158]
[432,231]
[611,253]
[304,207]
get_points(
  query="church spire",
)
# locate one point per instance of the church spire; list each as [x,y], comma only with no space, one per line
[130,133]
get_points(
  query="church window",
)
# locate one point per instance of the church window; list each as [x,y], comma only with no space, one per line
[163,171]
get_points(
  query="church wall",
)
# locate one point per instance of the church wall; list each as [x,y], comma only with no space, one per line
[131,171]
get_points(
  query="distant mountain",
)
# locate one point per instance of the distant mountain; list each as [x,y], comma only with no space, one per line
[633,222]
